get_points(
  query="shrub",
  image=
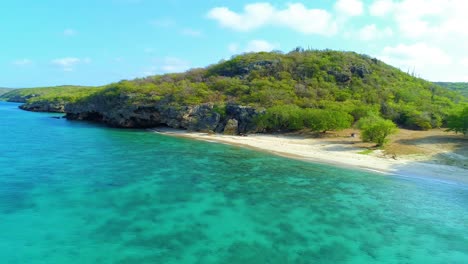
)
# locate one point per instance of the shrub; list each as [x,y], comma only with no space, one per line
[325,120]
[376,129]
[282,117]
[458,121]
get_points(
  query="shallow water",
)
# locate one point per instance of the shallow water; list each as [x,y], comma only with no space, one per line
[74,192]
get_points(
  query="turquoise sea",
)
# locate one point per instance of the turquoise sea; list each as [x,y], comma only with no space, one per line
[76,192]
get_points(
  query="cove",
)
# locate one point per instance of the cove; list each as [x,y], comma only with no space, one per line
[76,192]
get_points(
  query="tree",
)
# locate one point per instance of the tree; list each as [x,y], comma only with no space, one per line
[458,121]
[282,117]
[376,129]
[325,120]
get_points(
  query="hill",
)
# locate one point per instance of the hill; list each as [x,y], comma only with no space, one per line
[4,90]
[266,90]
[461,87]
[47,99]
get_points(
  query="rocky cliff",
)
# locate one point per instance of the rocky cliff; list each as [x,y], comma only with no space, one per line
[43,106]
[17,98]
[231,119]
[55,106]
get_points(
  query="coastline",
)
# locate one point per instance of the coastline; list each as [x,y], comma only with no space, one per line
[335,153]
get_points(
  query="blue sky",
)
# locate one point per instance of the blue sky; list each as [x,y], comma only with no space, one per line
[52,42]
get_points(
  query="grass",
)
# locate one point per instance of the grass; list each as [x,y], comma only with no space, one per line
[366,152]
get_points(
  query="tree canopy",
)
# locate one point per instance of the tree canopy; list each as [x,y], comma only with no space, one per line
[376,129]
[458,121]
[461,87]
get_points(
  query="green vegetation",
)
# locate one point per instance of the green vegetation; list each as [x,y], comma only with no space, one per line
[366,152]
[461,87]
[320,90]
[64,94]
[458,121]
[292,117]
[376,129]
[5,90]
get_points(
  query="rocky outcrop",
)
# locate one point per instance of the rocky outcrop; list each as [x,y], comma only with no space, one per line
[17,98]
[360,70]
[204,117]
[123,111]
[232,127]
[345,76]
[245,116]
[44,106]
[55,106]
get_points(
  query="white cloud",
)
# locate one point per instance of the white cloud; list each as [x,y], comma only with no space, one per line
[433,31]
[350,7]
[418,53]
[68,63]
[307,21]
[191,32]
[381,8]
[167,65]
[69,32]
[296,16]
[371,32]
[433,19]
[464,62]
[255,15]
[256,45]
[259,45]
[438,29]
[427,61]
[22,62]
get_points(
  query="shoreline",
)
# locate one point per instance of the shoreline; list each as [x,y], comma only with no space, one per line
[338,154]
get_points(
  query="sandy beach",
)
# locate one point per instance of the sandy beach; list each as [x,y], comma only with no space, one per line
[337,152]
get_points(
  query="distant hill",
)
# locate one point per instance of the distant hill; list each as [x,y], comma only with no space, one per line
[5,90]
[239,92]
[65,93]
[461,87]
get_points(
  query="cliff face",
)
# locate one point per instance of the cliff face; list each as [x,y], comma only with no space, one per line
[44,106]
[56,106]
[204,117]
[16,98]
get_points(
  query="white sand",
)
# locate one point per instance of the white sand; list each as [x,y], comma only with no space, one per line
[332,152]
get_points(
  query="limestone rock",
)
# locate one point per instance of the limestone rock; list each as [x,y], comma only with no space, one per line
[246,117]
[53,107]
[118,112]
[231,127]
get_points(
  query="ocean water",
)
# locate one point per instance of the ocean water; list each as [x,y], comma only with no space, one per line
[75,192]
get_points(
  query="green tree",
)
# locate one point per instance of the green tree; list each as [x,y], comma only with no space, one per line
[376,129]
[326,120]
[458,121]
[282,117]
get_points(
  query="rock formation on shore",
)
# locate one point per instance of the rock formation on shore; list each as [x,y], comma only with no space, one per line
[204,117]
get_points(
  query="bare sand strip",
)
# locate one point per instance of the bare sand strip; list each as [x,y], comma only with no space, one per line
[332,153]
